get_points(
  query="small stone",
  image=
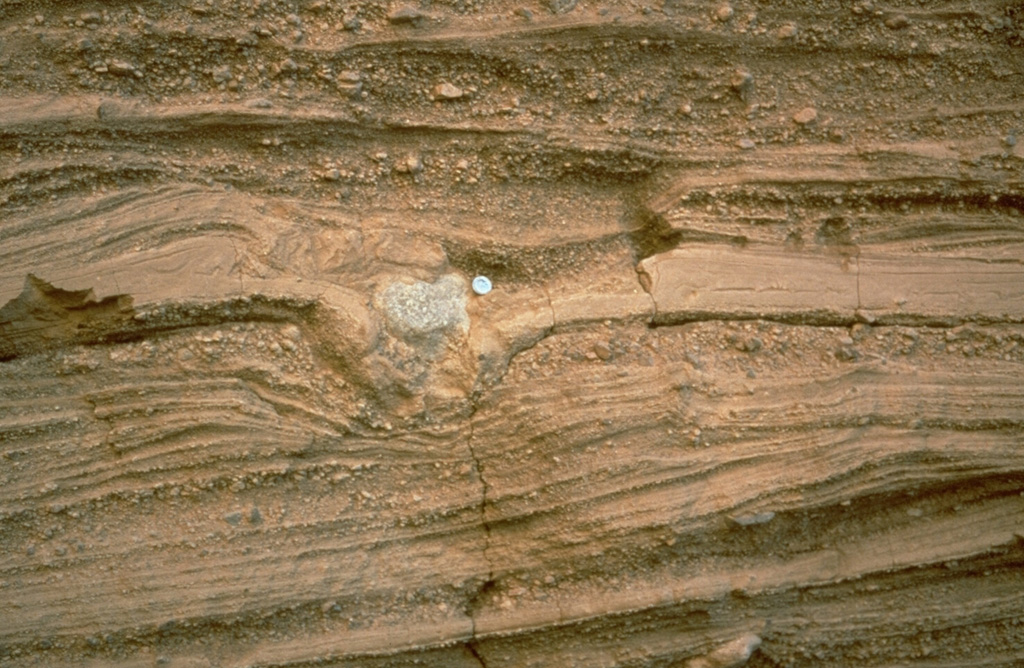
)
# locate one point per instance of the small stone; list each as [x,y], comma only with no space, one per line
[746,144]
[602,351]
[753,520]
[560,6]
[108,109]
[91,17]
[447,91]
[846,354]
[805,116]
[234,519]
[407,16]
[1010,140]
[410,165]
[121,68]
[787,31]
[260,103]
[222,74]
[685,109]
[255,517]
[751,345]
[331,175]
[742,82]
[897,22]
[724,13]
[730,655]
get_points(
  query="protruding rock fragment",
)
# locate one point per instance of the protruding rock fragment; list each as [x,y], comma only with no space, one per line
[407,16]
[560,6]
[724,13]
[447,91]
[742,82]
[753,520]
[121,68]
[108,109]
[730,655]
[787,31]
[805,116]
[897,22]
[425,309]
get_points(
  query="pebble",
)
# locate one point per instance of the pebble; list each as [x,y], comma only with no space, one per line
[846,354]
[121,68]
[447,91]
[724,13]
[410,165]
[752,520]
[222,74]
[560,6]
[234,519]
[730,655]
[746,144]
[751,345]
[787,31]
[602,351]
[407,16]
[742,82]
[897,22]
[108,109]
[805,116]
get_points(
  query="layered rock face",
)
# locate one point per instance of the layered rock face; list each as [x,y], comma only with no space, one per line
[748,389]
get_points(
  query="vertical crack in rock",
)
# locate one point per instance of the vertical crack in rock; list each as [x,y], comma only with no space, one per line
[471,648]
[858,286]
[475,602]
[554,321]
[646,284]
[484,491]
[238,266]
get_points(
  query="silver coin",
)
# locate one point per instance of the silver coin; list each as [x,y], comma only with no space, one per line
[481,285]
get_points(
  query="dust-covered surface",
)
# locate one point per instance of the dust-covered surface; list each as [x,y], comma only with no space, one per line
[748,390]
